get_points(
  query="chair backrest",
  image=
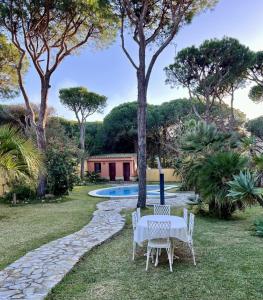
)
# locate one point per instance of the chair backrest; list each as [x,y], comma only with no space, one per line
[138,210]
[191,225]
[186,216]
[134,220]
[158,230]
[162,209]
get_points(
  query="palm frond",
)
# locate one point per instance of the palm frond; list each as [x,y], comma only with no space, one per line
[19,158]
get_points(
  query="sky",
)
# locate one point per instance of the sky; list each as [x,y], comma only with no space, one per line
[108,72]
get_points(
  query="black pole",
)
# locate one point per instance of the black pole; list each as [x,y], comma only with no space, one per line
[162,201]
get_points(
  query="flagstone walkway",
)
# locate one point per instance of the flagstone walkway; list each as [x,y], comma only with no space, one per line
[33,276]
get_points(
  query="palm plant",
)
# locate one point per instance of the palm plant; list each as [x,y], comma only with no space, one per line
[188,168]
[212,184]
[19,158]
[199,140]
[243,188]
[203,137]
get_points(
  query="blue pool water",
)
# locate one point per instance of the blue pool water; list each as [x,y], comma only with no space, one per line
[129,190]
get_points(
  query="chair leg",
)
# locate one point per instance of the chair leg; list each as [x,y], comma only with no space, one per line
[157,257]
[148,257]
[169,252]
[192,252]
[133,250]
[173,253]
[152,254]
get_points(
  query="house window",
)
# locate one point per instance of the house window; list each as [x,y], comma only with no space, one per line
[97,167]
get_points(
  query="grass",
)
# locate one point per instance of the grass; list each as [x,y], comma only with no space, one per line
[229,267]
[27,227]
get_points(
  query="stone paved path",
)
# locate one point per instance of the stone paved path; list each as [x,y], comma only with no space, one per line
[35,274]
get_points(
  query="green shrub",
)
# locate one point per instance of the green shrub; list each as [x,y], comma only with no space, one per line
[209,163]
[62,158]
[212,180]
[24,193]
[61,171]
[94,177]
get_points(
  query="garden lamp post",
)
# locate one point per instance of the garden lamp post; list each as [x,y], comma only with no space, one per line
[162,201]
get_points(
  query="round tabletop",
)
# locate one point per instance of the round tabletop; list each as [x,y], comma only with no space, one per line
[178,227]
[176,222]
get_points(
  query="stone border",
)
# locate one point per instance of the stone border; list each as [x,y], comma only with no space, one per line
[33,276]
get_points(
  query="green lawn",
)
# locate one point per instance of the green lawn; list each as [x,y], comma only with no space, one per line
[24,228]
[229,267]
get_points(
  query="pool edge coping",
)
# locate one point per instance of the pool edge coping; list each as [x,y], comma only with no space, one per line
[94,192]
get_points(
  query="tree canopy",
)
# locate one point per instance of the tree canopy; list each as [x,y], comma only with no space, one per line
[47,32]
[211,71]
[9,57]
[255,74]
[164,126]
[255,126]
[57,29]
[83,103]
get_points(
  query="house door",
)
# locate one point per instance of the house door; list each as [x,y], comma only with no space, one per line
[112,171]
[126,171]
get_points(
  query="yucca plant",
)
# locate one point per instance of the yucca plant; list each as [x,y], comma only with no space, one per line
[243,188]
[19,158]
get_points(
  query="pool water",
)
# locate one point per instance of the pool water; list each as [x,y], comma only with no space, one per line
[129,190]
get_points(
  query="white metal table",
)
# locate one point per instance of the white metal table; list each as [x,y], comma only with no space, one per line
[178,227]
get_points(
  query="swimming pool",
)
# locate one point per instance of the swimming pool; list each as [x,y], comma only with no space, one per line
[129,191]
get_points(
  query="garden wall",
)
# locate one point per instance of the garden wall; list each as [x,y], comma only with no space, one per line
[153,175]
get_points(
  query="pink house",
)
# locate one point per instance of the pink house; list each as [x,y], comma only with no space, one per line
[120,166]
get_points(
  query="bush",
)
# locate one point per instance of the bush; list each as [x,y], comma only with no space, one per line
[61,171]
[61,160]
[93,177]
[208,163]
[212,177]
[24,193]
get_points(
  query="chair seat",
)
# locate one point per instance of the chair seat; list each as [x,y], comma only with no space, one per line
[159,243]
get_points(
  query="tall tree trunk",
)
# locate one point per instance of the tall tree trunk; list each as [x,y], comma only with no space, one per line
[42,145]
[82,147]
[41,132]
[141,120]
[232,118]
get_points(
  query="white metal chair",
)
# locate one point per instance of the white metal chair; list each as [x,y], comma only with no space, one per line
[190,235]
[138,210]
[162,209]
[134,225]
[159,238]
[186,216]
